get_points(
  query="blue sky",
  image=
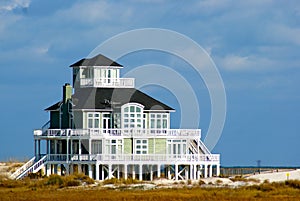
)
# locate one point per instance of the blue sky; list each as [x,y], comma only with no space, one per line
[255,45]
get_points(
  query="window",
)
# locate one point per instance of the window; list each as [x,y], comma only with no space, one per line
[159,121]
[93,119]
[113,146]
[97,147]
[177,147]
[141,146]
[132,114]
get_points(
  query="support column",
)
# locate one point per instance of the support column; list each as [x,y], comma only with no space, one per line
[90,148]
[210,170]
[169,172]
[67,166]
[218,170]
[140,172]
[195,172]
[125,171]
[39,148]
[67,151]
[48,170]
[97,171]
[102,172]
[79,149]
[205,171]
[192,176]
[109,171]
[158,171]
[133,171]
[71,169]
[176,172]
[35,152]
[55,147]
[47,146]
[151,172]
[90,171]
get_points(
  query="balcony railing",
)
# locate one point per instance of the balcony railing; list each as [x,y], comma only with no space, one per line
[192,133]
[107,82]
[169,158]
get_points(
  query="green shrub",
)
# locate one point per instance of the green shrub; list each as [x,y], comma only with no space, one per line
[293,183]
[55,179]
[201,182]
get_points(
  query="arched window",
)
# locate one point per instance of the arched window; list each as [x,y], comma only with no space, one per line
[132,116]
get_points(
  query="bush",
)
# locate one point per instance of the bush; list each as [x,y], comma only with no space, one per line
[55,179]
[201,182]
[293,183]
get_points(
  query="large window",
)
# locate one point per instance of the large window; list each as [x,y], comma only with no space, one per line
[159,121]
[132,114]
[93,120]
[177,147]
[141,146]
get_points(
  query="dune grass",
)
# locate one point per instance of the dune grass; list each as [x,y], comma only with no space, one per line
[66,188]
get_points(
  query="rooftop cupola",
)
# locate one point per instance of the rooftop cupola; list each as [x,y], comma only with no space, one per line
[99,72]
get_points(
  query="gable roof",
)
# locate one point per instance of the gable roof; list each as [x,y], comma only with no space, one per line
[109,98]
[98,60]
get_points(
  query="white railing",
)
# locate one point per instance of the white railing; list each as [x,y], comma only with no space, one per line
[107,82]
[187,133]
[33,168]
[23,168]
[205,158]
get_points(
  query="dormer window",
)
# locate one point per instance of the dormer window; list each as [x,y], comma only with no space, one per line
[132,116]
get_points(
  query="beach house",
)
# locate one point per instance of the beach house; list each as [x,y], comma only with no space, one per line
[106,128]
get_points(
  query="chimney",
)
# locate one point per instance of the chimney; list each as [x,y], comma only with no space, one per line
[67,92]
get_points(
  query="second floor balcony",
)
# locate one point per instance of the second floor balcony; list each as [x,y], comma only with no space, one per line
[126,133]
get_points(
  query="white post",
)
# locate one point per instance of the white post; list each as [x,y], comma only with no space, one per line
[169,172]
[191,172]
[210,170]
[133,171]
[79,149]
[35,148]
[140,172]
[109,171]
[176,172]
[67,141]
[195,172]
[90,148]
[90,171]
[205,171]
[102,172]
[151,172]
[97,171]
[158,171]
[218,170]
[39,148]
[125,171]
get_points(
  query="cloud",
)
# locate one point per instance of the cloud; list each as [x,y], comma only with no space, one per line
[95,12]
[10,5]
[253,63]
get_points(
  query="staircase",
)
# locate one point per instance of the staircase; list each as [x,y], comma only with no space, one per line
[30,167]
[202,148]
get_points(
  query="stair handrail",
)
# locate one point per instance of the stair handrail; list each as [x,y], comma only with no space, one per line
[204,148]
[23,168]
[45,127]
[33,168]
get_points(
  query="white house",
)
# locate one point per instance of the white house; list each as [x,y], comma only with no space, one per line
[108,129]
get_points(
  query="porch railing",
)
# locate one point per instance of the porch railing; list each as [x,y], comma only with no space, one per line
[107,82]
[125,132]
[207,158]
